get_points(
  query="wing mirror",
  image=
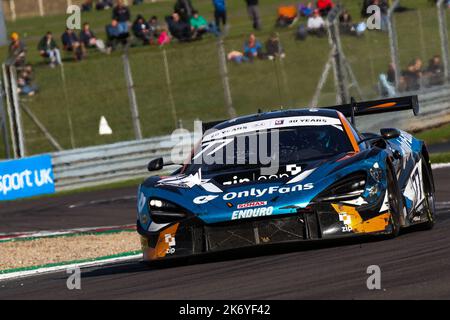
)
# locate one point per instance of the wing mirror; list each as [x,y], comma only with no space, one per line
[390,133]
[156,164]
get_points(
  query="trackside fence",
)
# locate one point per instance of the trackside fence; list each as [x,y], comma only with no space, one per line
[122,161]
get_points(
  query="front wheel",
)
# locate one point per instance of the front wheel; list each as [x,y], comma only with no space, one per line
[429,205]
[395,202]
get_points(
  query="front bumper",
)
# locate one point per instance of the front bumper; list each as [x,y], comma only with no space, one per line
[320,222]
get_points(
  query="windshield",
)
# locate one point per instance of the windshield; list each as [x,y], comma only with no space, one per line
[255,149]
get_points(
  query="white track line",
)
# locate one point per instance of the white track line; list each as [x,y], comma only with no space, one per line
[37,234]
[440,165]
[27,273]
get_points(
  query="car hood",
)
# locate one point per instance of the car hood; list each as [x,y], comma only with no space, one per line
[209,199]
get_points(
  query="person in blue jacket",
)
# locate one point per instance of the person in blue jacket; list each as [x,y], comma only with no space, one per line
[220,13]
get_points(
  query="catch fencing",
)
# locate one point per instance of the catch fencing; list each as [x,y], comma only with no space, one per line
[149,91]
[128,160]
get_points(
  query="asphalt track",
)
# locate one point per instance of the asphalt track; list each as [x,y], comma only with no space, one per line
[416,265]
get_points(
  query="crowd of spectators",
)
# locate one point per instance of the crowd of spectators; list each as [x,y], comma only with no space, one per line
[414,77]
[186,24]
[24,71]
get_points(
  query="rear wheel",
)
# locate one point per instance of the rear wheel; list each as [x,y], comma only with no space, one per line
[395,202]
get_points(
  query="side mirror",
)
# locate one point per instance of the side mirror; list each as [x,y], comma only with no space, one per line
[155,164]
[390,133]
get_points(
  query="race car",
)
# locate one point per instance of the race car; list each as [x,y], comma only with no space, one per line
[288,176]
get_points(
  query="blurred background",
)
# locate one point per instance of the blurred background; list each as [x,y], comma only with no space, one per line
[179,82]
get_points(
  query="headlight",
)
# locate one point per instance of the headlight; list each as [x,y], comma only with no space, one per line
[163,211]
[350,187]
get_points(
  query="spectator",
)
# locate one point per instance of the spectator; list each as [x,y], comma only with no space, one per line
[253,48]
[411,77]
[141,30]
[253,12]
[435,71]
[155,27]
[316,24]
[178,28]
[163,37]
[104,4]
[86,6]
[324,6]
[346,22]
[274,48]
[220,13]
[184,9]
[71,43]
[306,10]
[49,49]
[137,2]
[121,13]
[384,7]
[199,25]
[89,40]
[16,51]
[387,82]
[287,15]
[25,84]
[365,5]
[115,36]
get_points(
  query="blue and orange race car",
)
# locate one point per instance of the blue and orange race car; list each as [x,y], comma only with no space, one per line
[321,179]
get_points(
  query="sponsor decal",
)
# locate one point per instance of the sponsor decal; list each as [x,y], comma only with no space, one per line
[346,219]
[141,202]
[252,213]
[170,241]
[414,191]
[251,204]
[272,123]
[257,193]
[291,170]
[26,177]
[190,181]
[204,199]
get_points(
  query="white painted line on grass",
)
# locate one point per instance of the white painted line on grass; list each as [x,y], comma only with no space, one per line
[440,165]
[39,234]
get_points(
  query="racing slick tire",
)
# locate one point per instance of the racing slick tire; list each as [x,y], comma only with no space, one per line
[396,206]
[428,187]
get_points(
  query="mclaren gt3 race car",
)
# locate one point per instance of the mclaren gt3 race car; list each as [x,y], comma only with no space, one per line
[332,182]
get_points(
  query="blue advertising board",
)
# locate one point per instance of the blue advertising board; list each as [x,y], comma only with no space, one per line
[26,177]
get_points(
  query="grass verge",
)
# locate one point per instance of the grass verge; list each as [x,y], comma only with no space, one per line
[435,136]
[440,157]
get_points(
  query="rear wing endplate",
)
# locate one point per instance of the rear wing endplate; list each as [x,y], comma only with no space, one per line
[378,106]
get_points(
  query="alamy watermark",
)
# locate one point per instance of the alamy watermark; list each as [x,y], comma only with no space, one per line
[374,280]
[74,280]
[74,20]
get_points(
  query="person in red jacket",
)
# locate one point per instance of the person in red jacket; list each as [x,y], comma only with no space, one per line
[324,6]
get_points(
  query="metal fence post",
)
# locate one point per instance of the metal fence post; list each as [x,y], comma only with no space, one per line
[225,79]
[169,87]
[443,33]
[12,103]
[67,106]
[342,92]
[132,97]
[393,44]
[3,125]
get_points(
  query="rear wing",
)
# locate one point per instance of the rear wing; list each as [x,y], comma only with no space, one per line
[362,108]
[378,106]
